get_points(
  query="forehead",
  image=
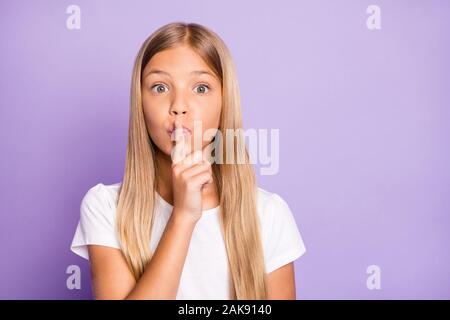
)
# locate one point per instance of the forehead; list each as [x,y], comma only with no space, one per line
[181,60]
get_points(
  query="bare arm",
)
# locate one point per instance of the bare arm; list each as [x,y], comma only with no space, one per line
[281,283]
[111,276]
[112,279]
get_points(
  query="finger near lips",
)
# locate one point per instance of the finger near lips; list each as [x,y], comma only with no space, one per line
[177,154]
[179,150]
[187,143]
[193,164]
[182,157]
[182,146]
[196,169]
[201,178]
[182,140]
[191,159]
[196,159]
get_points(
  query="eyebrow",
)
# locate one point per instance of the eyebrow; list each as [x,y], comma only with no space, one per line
[195,72]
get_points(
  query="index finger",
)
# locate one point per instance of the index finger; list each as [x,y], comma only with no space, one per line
[178,151]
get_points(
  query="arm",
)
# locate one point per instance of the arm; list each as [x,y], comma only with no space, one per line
[112,279]
[281,283]
[111,276]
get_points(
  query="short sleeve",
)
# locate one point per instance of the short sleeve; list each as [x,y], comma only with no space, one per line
[282,240]
[97,222]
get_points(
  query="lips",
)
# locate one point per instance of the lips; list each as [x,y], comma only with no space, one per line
[171,133]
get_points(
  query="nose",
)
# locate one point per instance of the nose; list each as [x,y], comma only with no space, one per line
[178,110]
[179,106]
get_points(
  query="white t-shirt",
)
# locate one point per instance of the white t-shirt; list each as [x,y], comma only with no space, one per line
[205,272]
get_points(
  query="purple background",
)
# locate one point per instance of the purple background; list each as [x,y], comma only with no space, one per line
[363,118]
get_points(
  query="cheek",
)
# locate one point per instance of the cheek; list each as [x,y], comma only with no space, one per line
[210,122]
[154,119]
[209,113]
[154,110]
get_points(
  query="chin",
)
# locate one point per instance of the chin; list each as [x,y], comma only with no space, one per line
[164,148]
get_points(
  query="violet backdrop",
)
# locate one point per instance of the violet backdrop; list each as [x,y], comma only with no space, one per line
[363,118]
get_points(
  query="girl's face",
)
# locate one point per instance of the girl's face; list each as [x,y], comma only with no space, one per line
[178,84]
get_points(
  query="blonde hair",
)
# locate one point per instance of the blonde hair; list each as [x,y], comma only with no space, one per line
[236,183]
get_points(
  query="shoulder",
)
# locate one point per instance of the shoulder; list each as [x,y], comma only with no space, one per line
[100,201]
[281,236]
[271,203]
[97,219]
[104,194]
[274,212]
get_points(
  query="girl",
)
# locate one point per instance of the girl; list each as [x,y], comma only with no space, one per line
[180,226]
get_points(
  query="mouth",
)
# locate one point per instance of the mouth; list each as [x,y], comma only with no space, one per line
[171,133]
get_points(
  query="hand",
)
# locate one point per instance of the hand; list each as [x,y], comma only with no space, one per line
[190,173]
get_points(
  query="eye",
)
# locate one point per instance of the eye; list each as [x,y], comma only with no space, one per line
[203,88]
[159,88]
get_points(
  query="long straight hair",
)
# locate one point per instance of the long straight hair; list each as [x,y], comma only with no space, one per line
[236,183]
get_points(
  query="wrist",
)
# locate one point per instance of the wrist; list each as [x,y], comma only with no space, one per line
[184,218]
